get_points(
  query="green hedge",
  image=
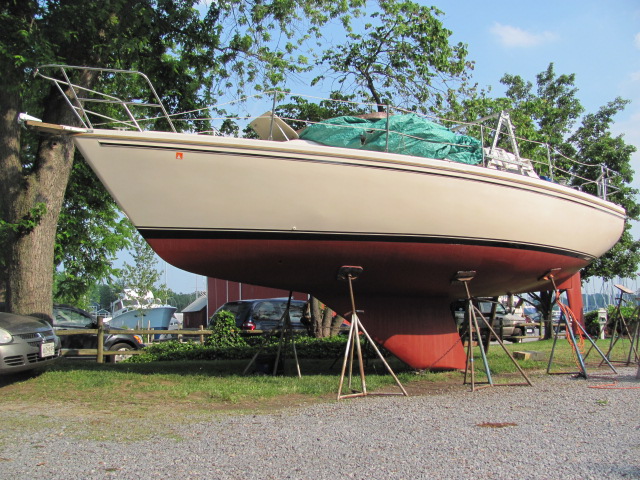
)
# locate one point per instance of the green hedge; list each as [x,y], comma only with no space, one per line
[593,326]
[306,347]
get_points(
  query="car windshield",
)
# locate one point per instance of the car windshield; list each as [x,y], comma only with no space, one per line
[273,311]
[296,312]
[485,308]
[63,316]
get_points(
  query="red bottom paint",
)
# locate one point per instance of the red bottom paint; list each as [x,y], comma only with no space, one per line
[405,289]
[422,332]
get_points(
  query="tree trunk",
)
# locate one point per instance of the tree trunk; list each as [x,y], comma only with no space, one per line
[30,267]
[316,317]
[29,249]
[327,316]
[546,309]
[323,321]
[10,176]
[336,323]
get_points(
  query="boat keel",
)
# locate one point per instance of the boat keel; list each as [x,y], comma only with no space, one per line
[419,331]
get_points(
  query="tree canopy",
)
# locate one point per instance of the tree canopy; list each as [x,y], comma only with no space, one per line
[403,57]
[583,147]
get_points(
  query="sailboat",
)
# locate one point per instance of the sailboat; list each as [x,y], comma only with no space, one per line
[289,210]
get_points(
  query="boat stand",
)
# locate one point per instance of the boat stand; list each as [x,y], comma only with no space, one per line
[350,273]
[285,331]
[569,322]
[620,322]
[472,313]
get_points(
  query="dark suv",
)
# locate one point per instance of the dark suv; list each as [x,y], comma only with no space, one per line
[66,317]
[265,314]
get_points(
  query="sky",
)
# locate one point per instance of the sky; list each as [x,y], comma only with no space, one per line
[598,41]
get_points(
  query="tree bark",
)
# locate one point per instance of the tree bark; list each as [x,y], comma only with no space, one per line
[29,251]
[30,269]
[327,316]
[323,321]
[316,317]
[336,323]
[10,176]
[546,309]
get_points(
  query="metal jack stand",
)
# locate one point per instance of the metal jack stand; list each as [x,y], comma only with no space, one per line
[465,278]
[569,322]
[286,336]
[353,343]
[621,323]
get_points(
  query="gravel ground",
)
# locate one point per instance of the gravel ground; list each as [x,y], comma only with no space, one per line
[561,428]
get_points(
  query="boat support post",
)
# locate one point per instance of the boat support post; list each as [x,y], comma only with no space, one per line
[465,277]
[569,321]
[286,335]
[621,323]
[350,273]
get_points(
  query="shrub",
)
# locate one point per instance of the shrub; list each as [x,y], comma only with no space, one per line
[224,331]
[630,318]
[306,347]
[172,350]
[591,323]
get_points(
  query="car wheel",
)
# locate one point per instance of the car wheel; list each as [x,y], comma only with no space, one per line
[517,333]
[119,347]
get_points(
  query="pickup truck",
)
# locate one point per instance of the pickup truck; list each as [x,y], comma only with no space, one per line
[507,324]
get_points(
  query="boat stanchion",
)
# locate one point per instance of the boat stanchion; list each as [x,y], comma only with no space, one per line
[473,327]
[353,347]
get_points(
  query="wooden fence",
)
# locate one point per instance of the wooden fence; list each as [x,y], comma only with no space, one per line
[103,330]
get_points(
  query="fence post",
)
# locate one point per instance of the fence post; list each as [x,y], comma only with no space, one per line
[201,336]
[100,346]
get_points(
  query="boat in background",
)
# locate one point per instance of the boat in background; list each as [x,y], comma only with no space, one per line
[289,213]
[134,311]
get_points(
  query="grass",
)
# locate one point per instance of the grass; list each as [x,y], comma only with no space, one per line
[90,400]
[564,358]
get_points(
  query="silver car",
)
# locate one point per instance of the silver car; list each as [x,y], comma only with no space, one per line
[26,343]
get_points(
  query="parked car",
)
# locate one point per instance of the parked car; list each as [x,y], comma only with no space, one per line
[26,343]
[174,324]
[66,317]
[511,325]
[265,314]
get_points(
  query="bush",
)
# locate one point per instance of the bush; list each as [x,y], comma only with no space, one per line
[306,347]
[630,318]
[224,331]
[172,350]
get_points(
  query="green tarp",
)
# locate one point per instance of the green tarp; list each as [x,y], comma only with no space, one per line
[408,134]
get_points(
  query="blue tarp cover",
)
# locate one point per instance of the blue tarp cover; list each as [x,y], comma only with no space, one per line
[408,134]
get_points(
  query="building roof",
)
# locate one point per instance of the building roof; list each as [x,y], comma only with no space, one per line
[197,305]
